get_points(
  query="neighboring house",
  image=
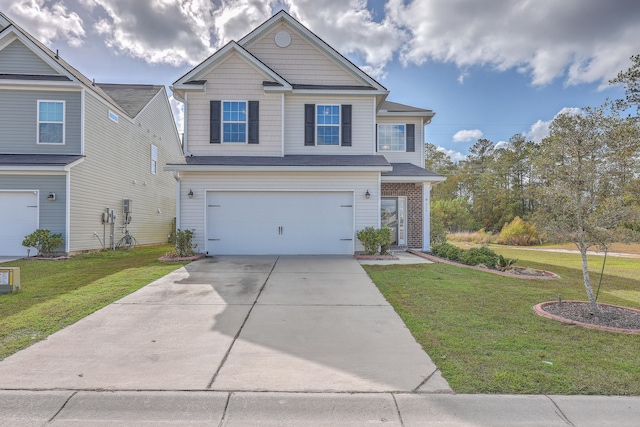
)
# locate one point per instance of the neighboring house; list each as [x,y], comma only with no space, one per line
[291,149]
[71,149]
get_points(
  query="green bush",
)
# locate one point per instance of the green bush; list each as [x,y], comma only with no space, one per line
[43,241]
[384,239]
[368,236]
[184,244]
[474,256]
[373,239]
[477,256]
[518,232]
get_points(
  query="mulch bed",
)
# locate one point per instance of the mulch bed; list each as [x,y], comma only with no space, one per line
[184,258]
[521,272]
[612,318]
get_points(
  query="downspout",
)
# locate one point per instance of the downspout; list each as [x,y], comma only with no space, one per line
[176,176]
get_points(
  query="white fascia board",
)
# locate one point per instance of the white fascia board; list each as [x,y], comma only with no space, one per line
[39,84]
[190,87]
[219,168]
[432,179]
[211,63]
[336,92]
[4,21]
[72,164]
[33,170]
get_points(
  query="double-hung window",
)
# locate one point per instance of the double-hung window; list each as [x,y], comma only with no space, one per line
[328,124]
[391,137]
[234,121]
[51,122]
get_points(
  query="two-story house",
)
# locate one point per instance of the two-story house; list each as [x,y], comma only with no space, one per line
[80,158]
[291,149]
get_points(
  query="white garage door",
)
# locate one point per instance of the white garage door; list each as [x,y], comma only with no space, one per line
[18,217]
[296,223]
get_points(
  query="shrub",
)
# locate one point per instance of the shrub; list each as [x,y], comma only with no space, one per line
[184,244]
[518,232]
[447,251]
[384,239]
[368,236]
[503,262]
[373,239]
[477,256]
[43,241]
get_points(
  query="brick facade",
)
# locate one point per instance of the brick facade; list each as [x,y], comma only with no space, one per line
[413,193]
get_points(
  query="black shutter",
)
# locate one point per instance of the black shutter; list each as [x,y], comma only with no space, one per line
[346,125]
[411,137]
[254,120]
[309,124]
[376,141]
[214,122]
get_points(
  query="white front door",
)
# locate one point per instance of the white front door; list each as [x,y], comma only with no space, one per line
[280,222]
[18,217]
[393,214]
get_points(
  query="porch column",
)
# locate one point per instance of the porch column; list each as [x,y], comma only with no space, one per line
[426,217]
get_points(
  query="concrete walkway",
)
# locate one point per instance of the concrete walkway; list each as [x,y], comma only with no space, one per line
[237,341]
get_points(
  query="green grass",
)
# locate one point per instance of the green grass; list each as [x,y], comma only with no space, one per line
[483,335]
[55,294]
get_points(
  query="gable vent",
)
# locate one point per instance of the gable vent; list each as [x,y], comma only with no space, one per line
[283,39]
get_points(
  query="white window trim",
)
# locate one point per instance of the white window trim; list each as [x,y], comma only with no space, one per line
[154,159]
[113,116]
[339,125]
[246,122]
[38,122]
[404,147]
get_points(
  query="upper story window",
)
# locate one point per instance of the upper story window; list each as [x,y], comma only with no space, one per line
[397,137]
[391,137]
[50,122]
[234,121]
[328,124]
[154,159]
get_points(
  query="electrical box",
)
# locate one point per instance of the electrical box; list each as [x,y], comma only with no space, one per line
[128,206]
[9,279]
[105,217]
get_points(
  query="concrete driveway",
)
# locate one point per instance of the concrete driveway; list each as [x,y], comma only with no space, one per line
[286,324]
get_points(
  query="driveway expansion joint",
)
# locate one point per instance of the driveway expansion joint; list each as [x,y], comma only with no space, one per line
[244,322]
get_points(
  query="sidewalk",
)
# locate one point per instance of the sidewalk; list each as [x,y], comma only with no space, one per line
[211,408]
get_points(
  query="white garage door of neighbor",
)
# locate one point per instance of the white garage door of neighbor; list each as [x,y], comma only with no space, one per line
[278,222]
[18,217]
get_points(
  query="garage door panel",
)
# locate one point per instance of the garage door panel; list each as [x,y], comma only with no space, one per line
[280,222]
[19,217]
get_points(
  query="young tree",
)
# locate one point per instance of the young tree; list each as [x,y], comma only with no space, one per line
[579,200]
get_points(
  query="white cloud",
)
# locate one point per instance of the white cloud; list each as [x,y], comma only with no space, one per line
[455,156]
[467,135]
[540,129]
[582,41]
[177,108]
[501,144]
[47,21]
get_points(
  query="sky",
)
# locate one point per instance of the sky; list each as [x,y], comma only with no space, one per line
[489,69]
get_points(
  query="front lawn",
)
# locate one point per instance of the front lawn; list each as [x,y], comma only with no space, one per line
[55,294]
[481,331]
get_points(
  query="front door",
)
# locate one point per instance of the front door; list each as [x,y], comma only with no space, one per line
[393,215]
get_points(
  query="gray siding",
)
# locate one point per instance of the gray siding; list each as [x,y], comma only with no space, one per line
[16,58]
[19,122]
[118,166]
[52,214]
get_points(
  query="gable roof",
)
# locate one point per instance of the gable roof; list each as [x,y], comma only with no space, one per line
[137,92]
[191,77]
[131,97]
[336,56]
[394,109]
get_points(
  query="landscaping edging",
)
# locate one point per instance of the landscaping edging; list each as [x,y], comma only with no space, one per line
[184,258]
[547,274]
[539,310]
[375,257]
